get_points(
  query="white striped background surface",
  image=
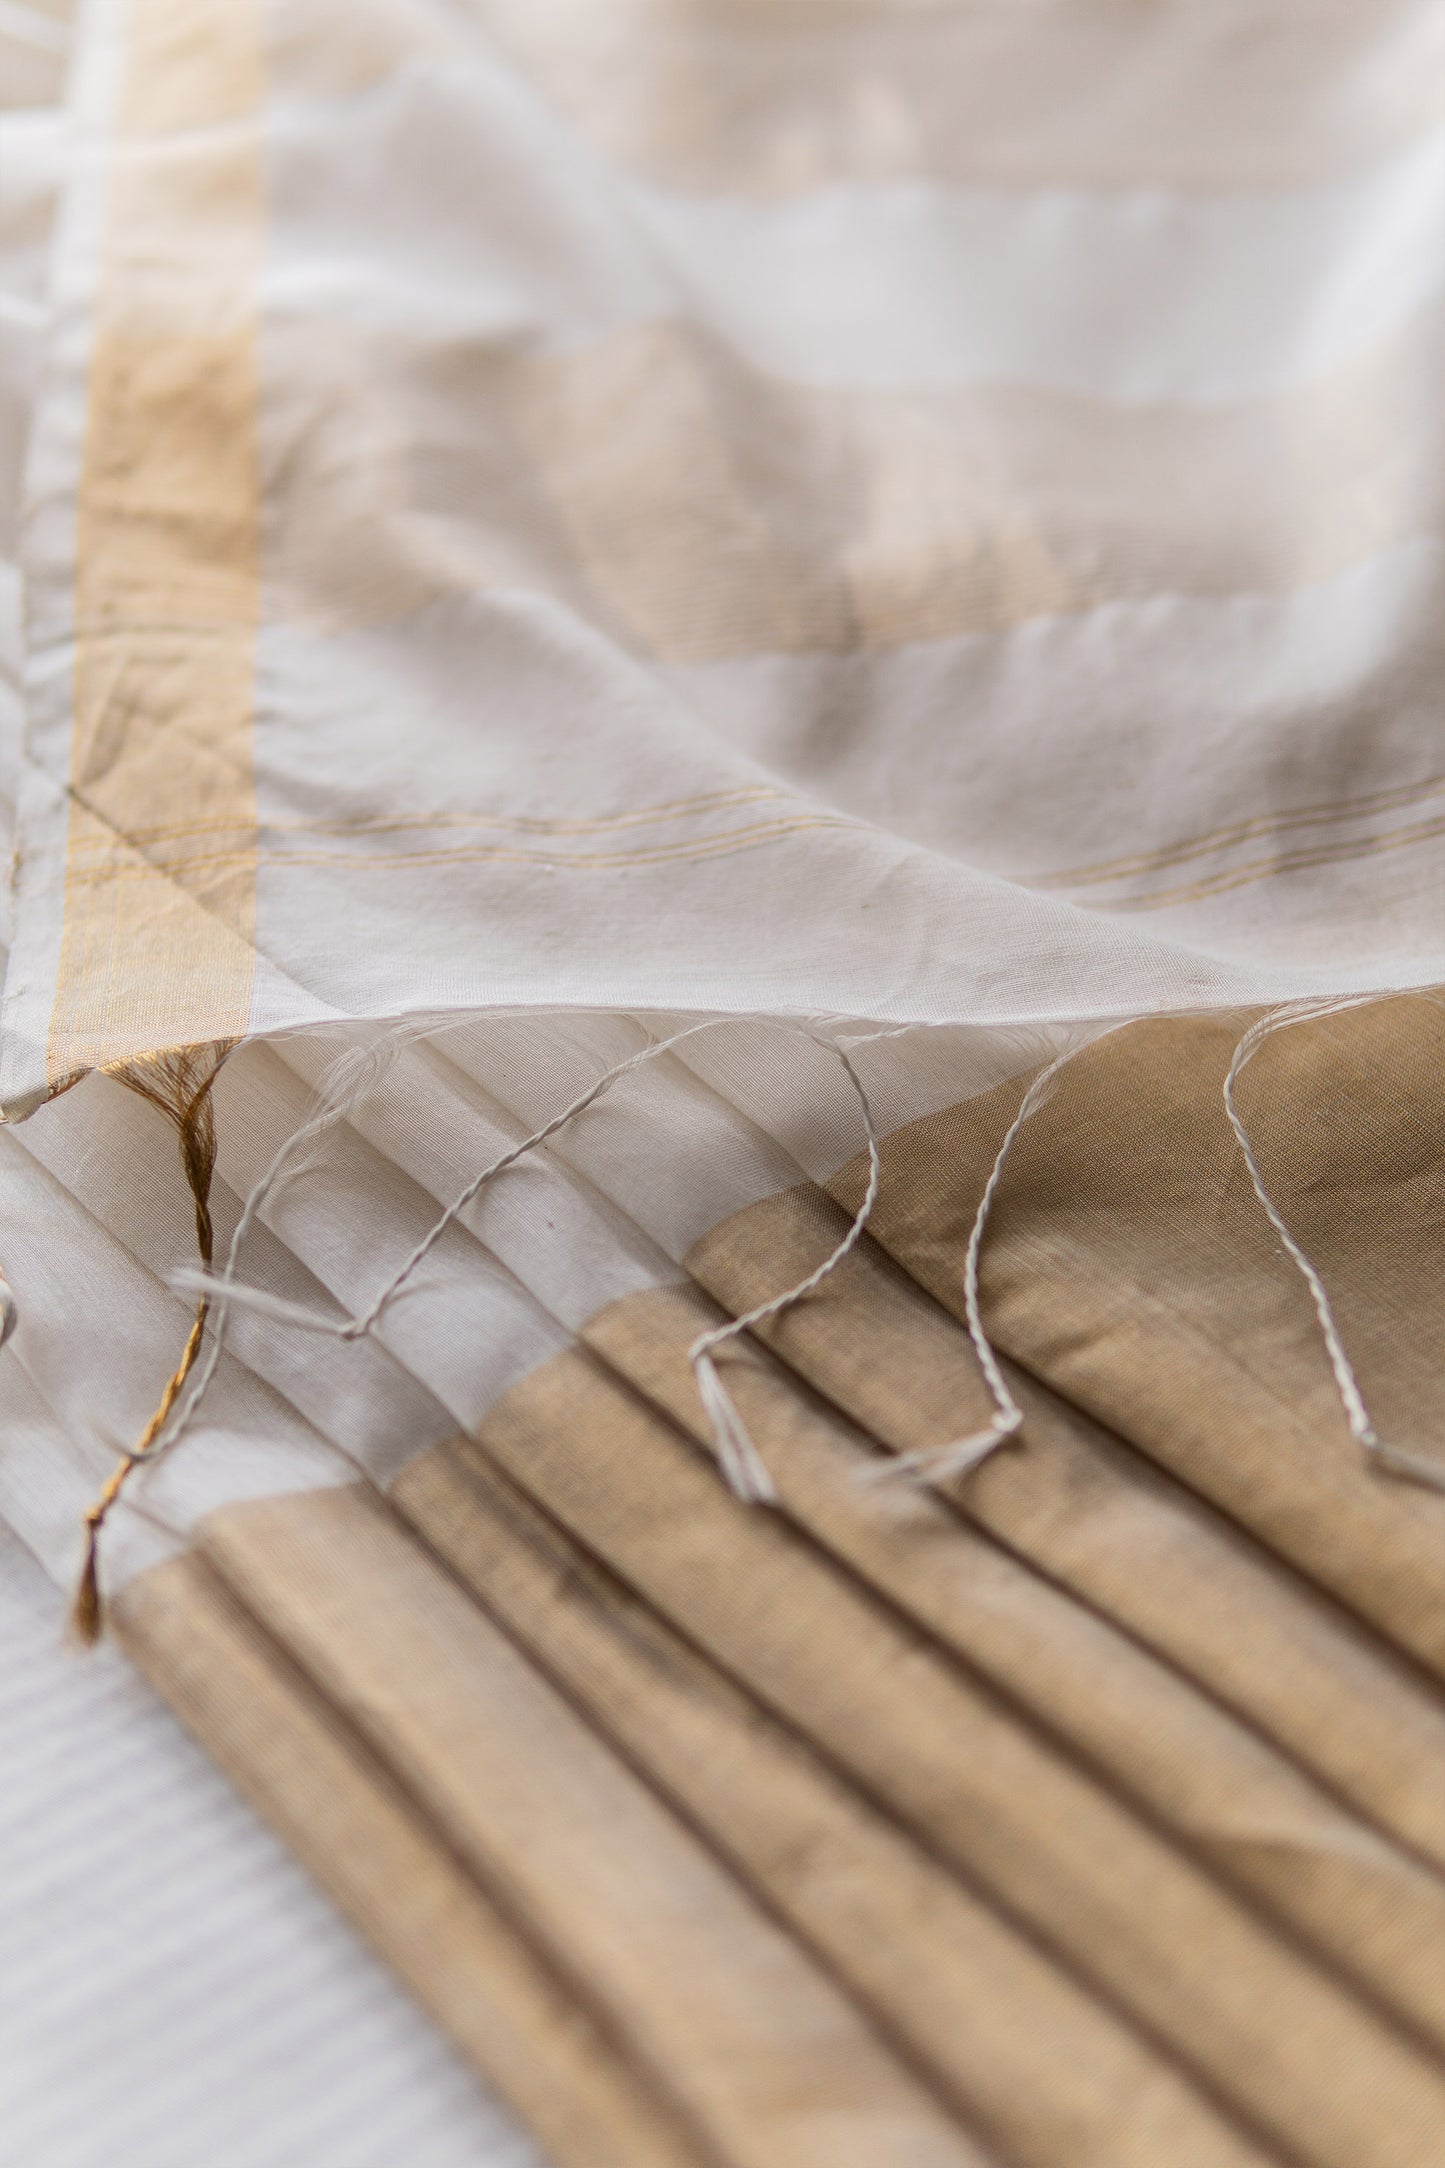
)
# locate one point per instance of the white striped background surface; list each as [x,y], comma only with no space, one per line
[173,1990]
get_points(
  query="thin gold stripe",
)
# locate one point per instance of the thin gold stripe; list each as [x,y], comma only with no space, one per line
[521,824]
[1308,816]
[1291,862]
[707,847]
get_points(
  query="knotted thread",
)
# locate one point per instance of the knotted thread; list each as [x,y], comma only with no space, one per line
[738,1457]
[936,1464]
[742,1465]
[180,1085]
[1392,1459]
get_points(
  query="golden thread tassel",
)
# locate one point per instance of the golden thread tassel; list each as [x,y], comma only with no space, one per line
[180,1085]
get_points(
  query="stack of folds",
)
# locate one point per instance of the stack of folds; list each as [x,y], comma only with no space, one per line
[687,540]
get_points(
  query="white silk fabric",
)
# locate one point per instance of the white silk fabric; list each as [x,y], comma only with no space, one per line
[750,521]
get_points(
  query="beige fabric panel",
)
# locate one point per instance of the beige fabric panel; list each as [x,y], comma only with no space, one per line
[1230,1798]
[1015,2042]
[1019,2043]
[1010,2036]
[355,1827]
[1097,1883]
[1083,1509]
[761,2054]
[1129,1265]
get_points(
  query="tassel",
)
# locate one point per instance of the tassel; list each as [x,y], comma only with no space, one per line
[1392,1460]
[180,1085]
[742,1464]
[224,1294]
[87,1617]
[939,1464]
[85,1612]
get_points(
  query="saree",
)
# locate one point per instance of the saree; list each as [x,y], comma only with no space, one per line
[736,713]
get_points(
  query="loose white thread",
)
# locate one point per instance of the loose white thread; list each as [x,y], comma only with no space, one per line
[737,1454]
[345,1083]
[357,1327]
[1412,1467]
[937,1464]
[228,1293]
[738,1458]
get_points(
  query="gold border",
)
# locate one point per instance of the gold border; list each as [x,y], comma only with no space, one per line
[167,568]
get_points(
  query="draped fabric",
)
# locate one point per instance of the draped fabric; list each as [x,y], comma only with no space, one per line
[803,566]
[520,515]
